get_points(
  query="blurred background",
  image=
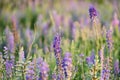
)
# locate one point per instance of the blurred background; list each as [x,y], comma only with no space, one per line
[26,12]
[23,16]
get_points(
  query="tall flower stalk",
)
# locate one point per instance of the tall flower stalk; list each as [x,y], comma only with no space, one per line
[10,40]
[101,56]
[116,69]
[67,65]
[96,26]
[109,40]
[30,72]
[105,70]
[58,56]
[44,69]
[9,64]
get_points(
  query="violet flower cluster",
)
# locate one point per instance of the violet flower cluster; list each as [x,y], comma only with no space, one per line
[105,72]
[67,65]
[44,69]
[30,73]
[116,67]
[109,40]
[10,40]
[72,30]
[9,64]
[92,12]
[57,52]
[91,59]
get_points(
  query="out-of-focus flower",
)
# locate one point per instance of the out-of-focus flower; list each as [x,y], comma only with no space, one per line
[115,20]
[30,73]
[91,59]
[38,62]
[54,76]
[9,64]
[101,55]
[109,40]
[105,72]
[45,28]
[57,18]
[67,65]
[81,55]
[88,60]
[29,35]
[10,40]
[92,12]
[116,67]
[44,69]
[72,29]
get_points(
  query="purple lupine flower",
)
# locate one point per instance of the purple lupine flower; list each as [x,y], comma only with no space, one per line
[101,55]
[81,58]
[92,12]
[81,55]
[38,62]
[9,64]
[88,60]
[54,76]
[116,67]
[10,40]
[105,73]
[57,52]
[57,18]
[56,43]
[45,28]
[44,69]
[67,65]
[109,40]
[91,59]
[29,36]
[119,26]
[30,73]
[115,21]
[72,29]
[57,49]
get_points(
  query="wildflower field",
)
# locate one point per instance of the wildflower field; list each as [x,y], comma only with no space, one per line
[59,40]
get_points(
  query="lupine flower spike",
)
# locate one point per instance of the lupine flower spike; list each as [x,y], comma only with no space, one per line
[10,40]
[92,12]
[30,73]
[116,68]
[9,64]
[67,65]
[109,40]
[57,52]
[44,69]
